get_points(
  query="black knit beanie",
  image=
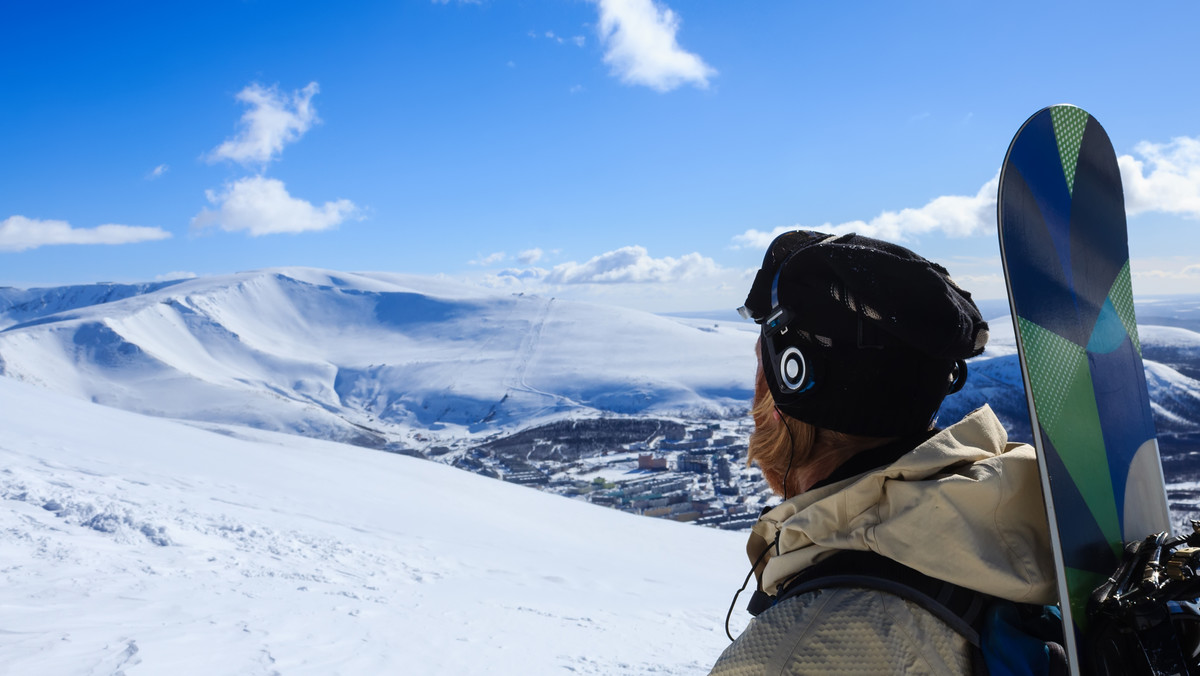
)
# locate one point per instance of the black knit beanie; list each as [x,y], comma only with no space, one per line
[883,332]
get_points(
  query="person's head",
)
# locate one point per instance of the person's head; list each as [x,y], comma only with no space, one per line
[861,341]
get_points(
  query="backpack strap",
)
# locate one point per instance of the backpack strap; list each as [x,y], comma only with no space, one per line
[961,608]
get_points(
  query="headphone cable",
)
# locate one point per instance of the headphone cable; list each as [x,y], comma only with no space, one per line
[745,582]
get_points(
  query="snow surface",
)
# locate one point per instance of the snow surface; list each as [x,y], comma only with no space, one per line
[202,541]
[138,545]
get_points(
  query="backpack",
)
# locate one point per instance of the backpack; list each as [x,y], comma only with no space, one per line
[1007,639]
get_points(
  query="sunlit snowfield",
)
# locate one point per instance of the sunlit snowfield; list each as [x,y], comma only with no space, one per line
[140,545]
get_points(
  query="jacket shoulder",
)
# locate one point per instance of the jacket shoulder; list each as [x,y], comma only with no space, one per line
[846,631]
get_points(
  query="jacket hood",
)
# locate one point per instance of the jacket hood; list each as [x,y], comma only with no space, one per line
[965,507]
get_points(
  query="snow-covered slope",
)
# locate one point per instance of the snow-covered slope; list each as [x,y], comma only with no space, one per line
[136,545]
[370,359]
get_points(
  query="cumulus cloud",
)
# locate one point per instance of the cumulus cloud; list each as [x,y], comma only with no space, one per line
[631,264]
[1162,177]
[953,215]
[641,49]
[530,256]
[273,120]
[18,233]
[262,206]
[1166,177]
[522,274]
[157,172]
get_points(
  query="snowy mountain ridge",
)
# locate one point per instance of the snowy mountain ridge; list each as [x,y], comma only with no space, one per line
[380,360]
[412,363]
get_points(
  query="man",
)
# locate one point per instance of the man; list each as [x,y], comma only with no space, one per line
[861,341]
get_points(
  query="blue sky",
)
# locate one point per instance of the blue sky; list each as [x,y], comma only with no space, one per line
[623,151]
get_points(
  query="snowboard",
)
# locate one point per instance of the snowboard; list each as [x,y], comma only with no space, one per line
[1063,241]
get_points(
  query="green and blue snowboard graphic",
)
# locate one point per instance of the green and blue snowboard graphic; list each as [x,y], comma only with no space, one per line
[1066,261]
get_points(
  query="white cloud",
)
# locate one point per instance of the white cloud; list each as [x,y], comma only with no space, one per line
[1170,274]
[18,233]
[530,256]
[522,274]
[665,285]
[577,40]
[640,46]
[953,215]
[157,172]
[262,206]
[632,264]
[172,276]
[1166,178]
[489,259]
[273,120]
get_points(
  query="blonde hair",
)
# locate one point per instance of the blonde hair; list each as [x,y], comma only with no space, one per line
[776,441]
[787,449]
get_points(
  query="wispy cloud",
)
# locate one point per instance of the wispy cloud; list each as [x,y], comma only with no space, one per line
[273,120]
[157,172]
[577,40]
[490,259]
[175,275]
[530,256]
[953,215]
[631,264]
[18,233]
[641,49]
[1174,274]
[262,206]
[523,274]
[1165,178]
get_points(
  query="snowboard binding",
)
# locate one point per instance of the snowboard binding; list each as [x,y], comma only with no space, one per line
[1146,618]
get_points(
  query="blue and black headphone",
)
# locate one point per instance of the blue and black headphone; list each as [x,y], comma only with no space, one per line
[794,367]
[790,369]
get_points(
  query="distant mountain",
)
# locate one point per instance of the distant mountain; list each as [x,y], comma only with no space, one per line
[378,360]
[424,366]
[24,305]
[1168,331]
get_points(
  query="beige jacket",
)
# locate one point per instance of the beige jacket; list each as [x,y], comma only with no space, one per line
[965,507]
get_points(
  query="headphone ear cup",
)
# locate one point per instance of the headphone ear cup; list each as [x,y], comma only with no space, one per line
[958,377]
[793,370]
